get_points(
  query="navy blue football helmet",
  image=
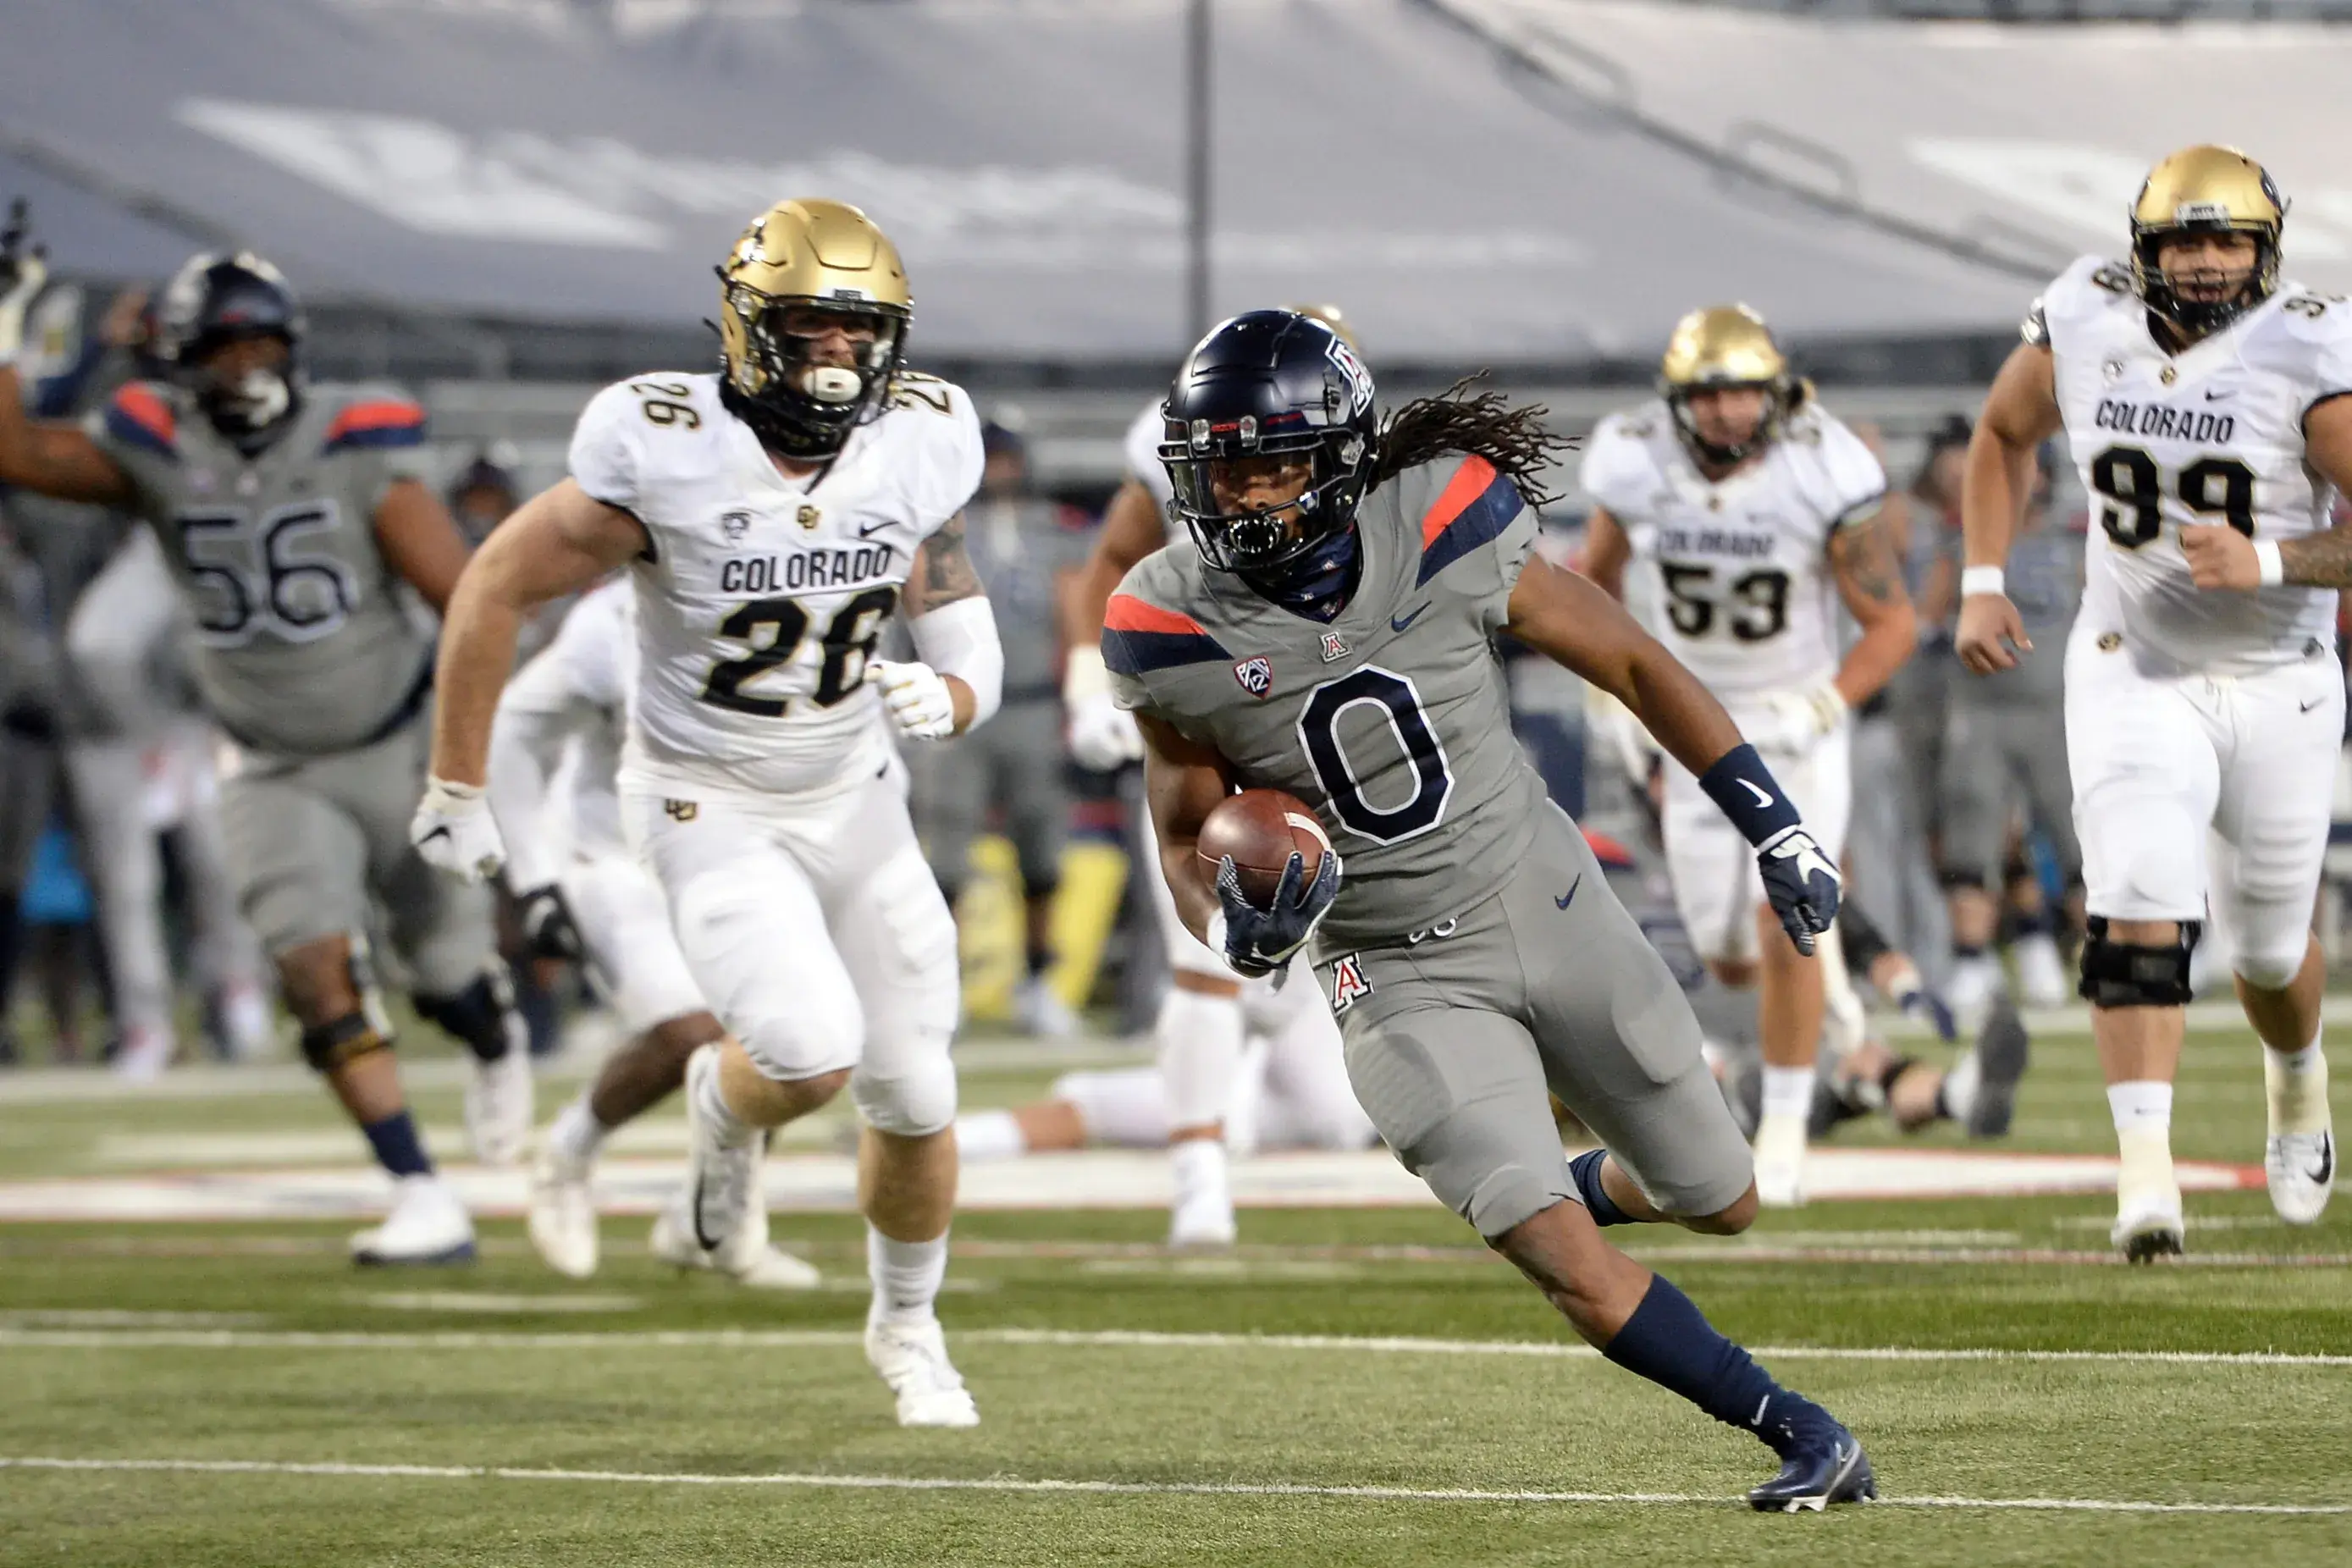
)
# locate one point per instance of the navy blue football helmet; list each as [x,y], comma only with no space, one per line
[1270,383]
[215,299]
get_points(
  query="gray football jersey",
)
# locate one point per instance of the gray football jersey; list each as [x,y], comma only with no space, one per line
[303,645]
[1391,721]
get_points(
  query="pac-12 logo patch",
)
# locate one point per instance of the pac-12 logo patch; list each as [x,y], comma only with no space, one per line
[1256,676]
[1333,649]
[734,525]
[1348,982]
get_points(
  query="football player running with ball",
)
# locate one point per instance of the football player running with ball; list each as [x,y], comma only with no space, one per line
[772,515]
[1331,637]
[1761,512]
[291,513]
[2206,403]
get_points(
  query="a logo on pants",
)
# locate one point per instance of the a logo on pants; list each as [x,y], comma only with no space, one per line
[1348,982]
[679,810]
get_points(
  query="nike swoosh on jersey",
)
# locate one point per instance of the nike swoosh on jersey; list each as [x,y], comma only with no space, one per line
[868,530]
[1564,899]
[2307,707]
[1398,623]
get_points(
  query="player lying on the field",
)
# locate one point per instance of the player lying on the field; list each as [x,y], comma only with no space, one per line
[2210,409]
[769,515]
[296,521]
[1332,637]
[585,899]
[1292,1093]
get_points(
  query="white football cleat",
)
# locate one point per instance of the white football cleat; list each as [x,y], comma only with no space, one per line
[563,1212]
[721,1180]
[498,1108]
[746,1257]
[426,1225]
[2302,1170]
[1780,1161]
[1042,1013]
[2041,972]
[912,1357]
[1202,1214]
[2149,1225]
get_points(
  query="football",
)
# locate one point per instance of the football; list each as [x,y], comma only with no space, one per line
[1261,829]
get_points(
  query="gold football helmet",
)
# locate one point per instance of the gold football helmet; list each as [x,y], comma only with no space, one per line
[1726,346]
[803,266]
[2206,190]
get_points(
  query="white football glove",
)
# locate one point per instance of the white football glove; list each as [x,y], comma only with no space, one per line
[918,698]
[23,268]
[1795,719]
[1103,736]
[454,832]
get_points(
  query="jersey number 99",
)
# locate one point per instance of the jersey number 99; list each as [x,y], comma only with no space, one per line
[2133,486]
[848,642]
[1433,778]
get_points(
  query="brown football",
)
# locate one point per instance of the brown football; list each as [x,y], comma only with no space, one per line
[1261,829]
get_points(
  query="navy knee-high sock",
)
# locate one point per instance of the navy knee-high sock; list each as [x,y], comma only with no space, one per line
[397,1147]
[1669,1341]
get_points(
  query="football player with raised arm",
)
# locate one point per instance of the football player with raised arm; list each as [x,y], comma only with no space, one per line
[772,515]
[293,513]
[2206,402]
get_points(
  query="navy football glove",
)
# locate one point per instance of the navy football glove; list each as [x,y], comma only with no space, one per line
[547,928]
[1800,884]
[1261,942]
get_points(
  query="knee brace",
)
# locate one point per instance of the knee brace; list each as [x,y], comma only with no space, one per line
[327,1047]
[914,1104]
[2126,974]
[482,1016]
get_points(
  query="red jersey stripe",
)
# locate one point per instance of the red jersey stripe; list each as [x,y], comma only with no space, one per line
[1469,482]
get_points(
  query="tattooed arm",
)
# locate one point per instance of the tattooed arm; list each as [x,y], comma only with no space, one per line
[1861,560]
[2324,559]
[962,668]
[942,572]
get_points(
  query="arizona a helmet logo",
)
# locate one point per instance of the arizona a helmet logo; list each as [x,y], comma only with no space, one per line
[1256,676]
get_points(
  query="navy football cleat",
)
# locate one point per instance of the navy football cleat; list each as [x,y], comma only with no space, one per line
[1817,1469]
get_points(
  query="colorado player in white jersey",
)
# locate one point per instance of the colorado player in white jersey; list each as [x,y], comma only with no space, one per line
[1759,512]
[770,516]
[583,897]
[1204,1029]
[2205,404]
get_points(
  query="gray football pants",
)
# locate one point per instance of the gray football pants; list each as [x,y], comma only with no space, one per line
[1454,1034]
[311,838]
[1998,755]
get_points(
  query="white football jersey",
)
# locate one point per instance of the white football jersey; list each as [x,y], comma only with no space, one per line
[1748,600]
[569,708]
[2214,435]
[763,598]
[1143,439]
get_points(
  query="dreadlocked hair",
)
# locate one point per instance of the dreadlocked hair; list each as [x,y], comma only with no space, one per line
[1461,420]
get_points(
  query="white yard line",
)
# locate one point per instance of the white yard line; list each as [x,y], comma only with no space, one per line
[1105,1339]
[1116,1489]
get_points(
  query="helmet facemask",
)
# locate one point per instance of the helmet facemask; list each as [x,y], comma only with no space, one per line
[1258,539]
[801,403]
[2199,317]
[1776,400]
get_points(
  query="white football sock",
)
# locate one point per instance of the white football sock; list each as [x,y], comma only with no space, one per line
[576,1135]
[2296,1086]
[982,1135]
[1199,1041]
[906,1276]
[1958,1097]
[1788,1091]
[2143,1114]
[1200,1170]
[732,1130]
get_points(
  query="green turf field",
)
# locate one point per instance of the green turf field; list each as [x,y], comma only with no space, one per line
[1358,1386]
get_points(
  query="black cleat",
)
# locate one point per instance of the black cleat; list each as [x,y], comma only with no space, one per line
[2002,1047]
[1816,1470]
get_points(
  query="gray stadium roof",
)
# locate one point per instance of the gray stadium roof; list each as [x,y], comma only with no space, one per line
[553,161]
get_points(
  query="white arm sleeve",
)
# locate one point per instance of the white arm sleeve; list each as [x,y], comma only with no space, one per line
[561,692]
[959,638]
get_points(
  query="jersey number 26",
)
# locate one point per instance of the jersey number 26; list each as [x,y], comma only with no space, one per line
[847,643]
